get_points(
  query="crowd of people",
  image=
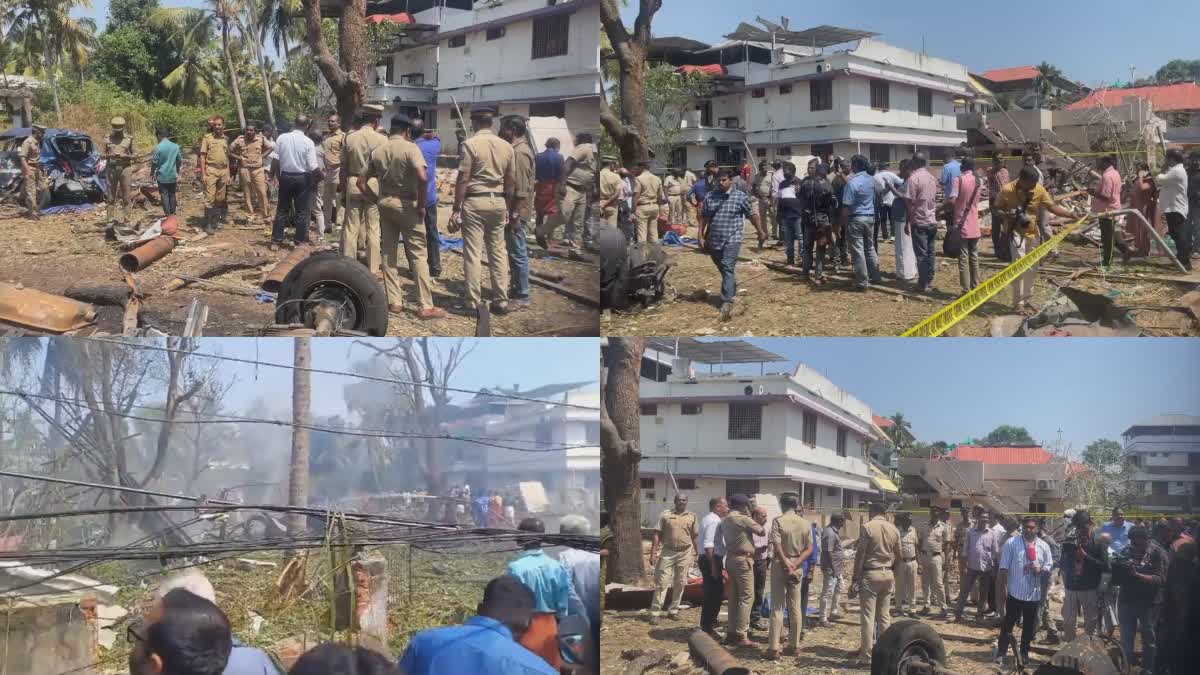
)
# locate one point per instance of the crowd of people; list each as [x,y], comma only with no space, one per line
[541,617]
[834,212]
[1121,578]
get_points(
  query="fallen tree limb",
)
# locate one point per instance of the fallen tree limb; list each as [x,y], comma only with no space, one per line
[111,295]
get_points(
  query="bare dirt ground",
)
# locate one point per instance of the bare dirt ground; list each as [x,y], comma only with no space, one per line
[62,250]
[772,302]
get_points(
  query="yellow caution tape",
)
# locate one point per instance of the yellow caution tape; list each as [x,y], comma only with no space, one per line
[962,308]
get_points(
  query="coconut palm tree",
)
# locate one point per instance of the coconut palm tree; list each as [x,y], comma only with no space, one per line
[46,28]
[1047,75]
[193,30]
[901,427]
[193,34]
[282,22]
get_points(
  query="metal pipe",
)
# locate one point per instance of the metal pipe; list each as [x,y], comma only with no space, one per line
[274,280]
[118,488]
[31,308]
[145,255]
[1145,223]
[715,658]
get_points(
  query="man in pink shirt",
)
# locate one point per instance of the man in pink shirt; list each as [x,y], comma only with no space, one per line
[1107,197]
[996,181]
[965,193]
[920,194]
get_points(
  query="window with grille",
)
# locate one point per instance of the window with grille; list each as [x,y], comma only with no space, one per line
[457,41]
[760,152]
[649,409]
[690,408]
[809,430]
[785,89]
[385,71]
[820,95]
[745,421]
[706,113]
[879,95]
[686,483]
[548,109]
[758,93]
[748,487]
[841,442]
[924,102]
[822,149]
[550,36]
[785,151]
[956,503]
[1035,507]
[647,483]
[879,152]
[495,33]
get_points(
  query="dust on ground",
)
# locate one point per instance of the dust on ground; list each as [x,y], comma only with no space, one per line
[777,303]
[62,250]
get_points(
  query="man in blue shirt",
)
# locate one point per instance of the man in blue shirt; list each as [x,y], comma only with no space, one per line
[486,644]
[722,224]
[165,163]
[547,172]
[1117,531]
[950,172]
[431,146]
[858,222]
[553,594]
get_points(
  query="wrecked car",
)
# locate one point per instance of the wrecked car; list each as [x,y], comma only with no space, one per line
[69,159]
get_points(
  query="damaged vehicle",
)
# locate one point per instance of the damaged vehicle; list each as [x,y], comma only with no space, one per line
[70,161]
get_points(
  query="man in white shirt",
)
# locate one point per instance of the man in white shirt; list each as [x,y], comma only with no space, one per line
[883,179]
[711,545]
[1173,200]
[299,173]
[1023,559]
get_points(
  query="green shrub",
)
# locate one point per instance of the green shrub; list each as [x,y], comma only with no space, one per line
[91,107]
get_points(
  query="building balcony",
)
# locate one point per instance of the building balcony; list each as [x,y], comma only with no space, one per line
[405,93]
[1172,502]
[706,135]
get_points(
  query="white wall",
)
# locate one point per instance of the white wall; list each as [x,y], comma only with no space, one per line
[420,60]
[779,111]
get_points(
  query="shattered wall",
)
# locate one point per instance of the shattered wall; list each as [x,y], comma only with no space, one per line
[54,634]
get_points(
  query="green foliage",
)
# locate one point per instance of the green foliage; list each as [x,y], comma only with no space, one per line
[124,58]
[668,96]
[1009,435]
[1179,70]
[123,13]
[1102,454]
[90,107]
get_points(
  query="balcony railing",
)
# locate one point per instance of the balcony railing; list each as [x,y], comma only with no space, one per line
[703,135]
[407,93]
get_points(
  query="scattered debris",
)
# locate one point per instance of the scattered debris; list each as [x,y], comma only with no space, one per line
[28,308]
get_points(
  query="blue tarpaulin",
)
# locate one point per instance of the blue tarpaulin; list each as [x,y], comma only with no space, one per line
[67,208]
[673,239]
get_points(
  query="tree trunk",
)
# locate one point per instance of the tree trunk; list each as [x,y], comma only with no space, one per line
[233,79]
[628,127]
[52,78]
[301,411]
[346,73]
[620,456]
[266,78]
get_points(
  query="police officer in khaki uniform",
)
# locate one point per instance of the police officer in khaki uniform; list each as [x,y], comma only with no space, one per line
[486,176]
[118,170]
[362,215]
[214,168]
[30,154]
[580,172]
[610,190]
[399,168]
[933,538]
[648,198]
[250,150]
[739,563]
[674,186]
[520,210]
[330,155]
[677,530]
[791,541]
[875,562]
[906,571]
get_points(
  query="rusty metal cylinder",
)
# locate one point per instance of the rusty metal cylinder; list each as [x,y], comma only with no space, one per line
[715,658]
[274,280]
[147,254]
[38,310]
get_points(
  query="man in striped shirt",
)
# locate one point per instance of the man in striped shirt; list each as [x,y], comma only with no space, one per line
[1022,562]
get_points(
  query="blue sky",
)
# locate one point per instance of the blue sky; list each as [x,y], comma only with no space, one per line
[954,389]
[1094,42]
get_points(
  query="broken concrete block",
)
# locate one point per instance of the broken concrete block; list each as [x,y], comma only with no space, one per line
[679,661]
[249,564]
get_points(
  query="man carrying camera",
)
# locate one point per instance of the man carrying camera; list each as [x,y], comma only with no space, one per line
[1141,571]
[1084,560]
[1018,205]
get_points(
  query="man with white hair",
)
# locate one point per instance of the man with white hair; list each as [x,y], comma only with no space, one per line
[583,567]
[242,660]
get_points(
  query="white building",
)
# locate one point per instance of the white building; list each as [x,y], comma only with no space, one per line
[871,98]
[718,434]
[1165,450]
[536,58]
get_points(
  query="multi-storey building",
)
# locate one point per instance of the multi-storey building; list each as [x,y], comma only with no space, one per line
[1165,453]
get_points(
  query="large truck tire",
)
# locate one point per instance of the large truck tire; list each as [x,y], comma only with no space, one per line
[903,641]
[331,277]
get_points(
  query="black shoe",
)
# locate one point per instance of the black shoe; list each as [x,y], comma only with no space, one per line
[434,274]
[541,241]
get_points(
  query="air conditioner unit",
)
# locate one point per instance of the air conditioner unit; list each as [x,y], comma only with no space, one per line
[1045,484]
[823,67]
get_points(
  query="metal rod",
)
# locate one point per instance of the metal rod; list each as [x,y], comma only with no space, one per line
[1145,223]
[118,488]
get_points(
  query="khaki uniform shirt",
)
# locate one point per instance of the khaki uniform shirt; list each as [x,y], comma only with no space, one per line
[31,152]
[649,186]
[217,150]
[737,529]
[674,187]
[331,149]
[677,531]
[486,161]
[908,544]
[610,185]
[585,166]
[396,164]
[251,153]
[878,547]
[689,179]
[933,538]
[763,186]
[121,151]
[356,153]
[793,532]
[524,175]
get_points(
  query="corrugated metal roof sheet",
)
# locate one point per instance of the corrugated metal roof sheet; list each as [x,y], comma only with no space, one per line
[1000,455]
[1184,96]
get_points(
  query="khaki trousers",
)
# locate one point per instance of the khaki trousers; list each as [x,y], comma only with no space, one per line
[1075,603]
[362,218]
[741,594]
[671,574]
[647,222]
[675,209]
[906,585]
[254,191]
[119,181]
[400,217]
[216,184]
[933,584]
[326,198]
[483,231]
[875,599]
[609,215]
[784,594]
[32,183]
[574,212]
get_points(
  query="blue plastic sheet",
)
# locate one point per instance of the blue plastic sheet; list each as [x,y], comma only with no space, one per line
[67,208]
[673,239]
[452,243]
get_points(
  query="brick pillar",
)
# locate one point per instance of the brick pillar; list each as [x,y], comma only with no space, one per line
[370,597]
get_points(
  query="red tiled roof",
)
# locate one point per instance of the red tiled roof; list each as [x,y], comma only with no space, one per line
[1074,468]
[1000,455]
[1183,96]
[402,17]
[712,69]
[1011,74]
[882,422]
